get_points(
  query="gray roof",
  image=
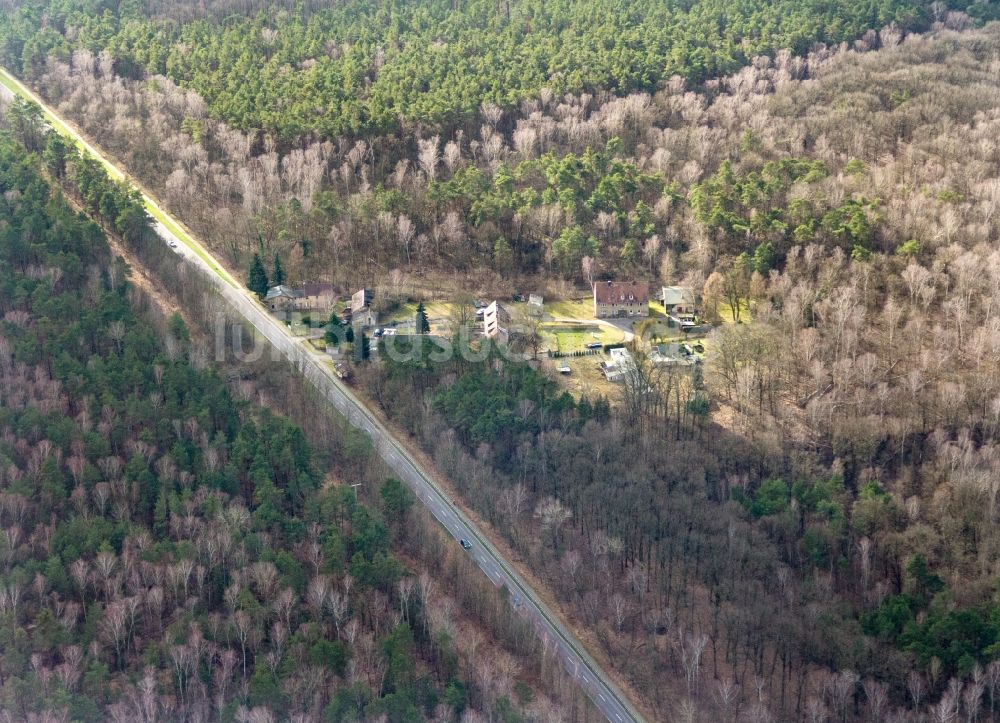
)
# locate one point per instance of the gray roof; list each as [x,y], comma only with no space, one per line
[276,292]
[674,295]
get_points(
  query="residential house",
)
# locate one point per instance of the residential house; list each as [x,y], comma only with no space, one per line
[365,317]
[622,358]
[618,299]
[362,299]
[361,308]
[611,372]
[282,298]
[670,355]
[679,299]
[679,303]
[317,296]
[622,363]
[496,322]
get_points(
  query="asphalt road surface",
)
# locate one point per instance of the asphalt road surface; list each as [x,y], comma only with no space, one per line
[317,368]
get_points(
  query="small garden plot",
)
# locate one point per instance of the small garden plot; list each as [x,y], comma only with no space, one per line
[570,338]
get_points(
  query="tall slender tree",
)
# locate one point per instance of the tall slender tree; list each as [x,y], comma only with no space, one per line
[257,278]
[279,272]
[423,326]
[334,330]
[362,350]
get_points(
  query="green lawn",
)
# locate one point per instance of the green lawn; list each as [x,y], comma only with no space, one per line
[570,309]
[569,338]
[436,310]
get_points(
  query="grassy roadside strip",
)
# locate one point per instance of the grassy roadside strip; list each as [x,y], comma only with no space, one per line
[18,88]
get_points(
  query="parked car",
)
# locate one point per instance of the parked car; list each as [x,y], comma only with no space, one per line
[378,332]
[465,544]
[594,345]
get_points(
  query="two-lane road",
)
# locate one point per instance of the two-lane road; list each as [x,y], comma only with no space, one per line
[316,367]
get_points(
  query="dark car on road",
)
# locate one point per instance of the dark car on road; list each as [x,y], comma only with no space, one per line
[465,544]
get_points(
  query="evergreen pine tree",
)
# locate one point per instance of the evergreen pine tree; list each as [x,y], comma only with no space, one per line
[334,329]
[279,272]
[257,278]
[423,326]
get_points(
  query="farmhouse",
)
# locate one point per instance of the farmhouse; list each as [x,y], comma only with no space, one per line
[282,298]
[678,299]
[679,303]
[317,296]
[310,296]
[615,299]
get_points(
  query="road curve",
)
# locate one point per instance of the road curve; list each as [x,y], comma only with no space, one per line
[591,678]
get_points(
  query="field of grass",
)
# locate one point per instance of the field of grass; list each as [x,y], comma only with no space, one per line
[436,310]
[569,338]
[570,309]
[584,379]
[439,314]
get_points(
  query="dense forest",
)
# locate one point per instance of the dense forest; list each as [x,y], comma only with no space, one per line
[361,67]
[803,530]
[534,187]
[173,551]
[819,541]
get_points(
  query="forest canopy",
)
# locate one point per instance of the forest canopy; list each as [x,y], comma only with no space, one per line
[360,67]
[169,551]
